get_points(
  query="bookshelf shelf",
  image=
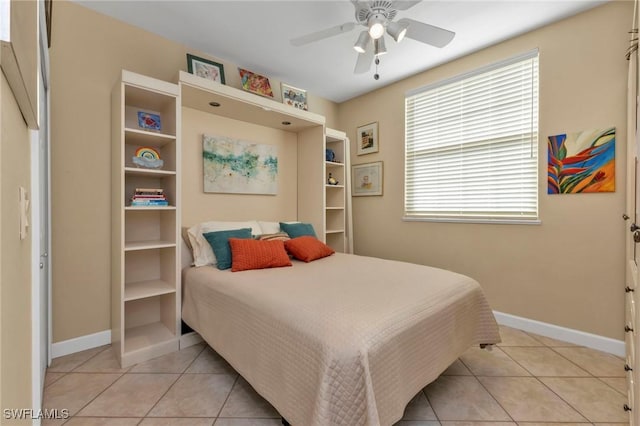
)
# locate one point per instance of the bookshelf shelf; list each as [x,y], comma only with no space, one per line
[147,337]
[134,171]
[150,208]
[144,289]
[147,245]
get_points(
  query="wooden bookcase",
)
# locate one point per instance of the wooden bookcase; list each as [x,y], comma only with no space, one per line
[338,197]
[145,240]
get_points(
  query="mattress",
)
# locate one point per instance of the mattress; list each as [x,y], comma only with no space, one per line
[344,340]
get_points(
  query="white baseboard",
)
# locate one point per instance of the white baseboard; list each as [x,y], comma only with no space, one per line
[81,343]
[102,338]
[593,341]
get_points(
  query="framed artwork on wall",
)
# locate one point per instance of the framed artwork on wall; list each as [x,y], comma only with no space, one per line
[366,179]
[234,166]
[205,68]
[582,162]
[294,97]
[367,139]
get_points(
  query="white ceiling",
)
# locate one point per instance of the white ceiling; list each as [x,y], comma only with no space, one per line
[255,35]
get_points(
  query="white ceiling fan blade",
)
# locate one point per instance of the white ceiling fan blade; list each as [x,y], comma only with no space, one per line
[319,35]
[429,34]
[404,4]
[363,64]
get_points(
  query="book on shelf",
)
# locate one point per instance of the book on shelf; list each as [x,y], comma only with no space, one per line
[149,191]
[149,197]
[149,203]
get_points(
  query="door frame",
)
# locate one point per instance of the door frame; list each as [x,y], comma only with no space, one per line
[38,213]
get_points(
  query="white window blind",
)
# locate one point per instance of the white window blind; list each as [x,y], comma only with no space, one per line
[472,145]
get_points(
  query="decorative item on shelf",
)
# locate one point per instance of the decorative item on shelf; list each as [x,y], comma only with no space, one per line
[149,121]
[332,180]
[330,155]
[367,139]
[205,68]
[147,158]
[255,83]
[149,197]
[367,179]
[295,97]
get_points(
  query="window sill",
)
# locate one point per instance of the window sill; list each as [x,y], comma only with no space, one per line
[500,221]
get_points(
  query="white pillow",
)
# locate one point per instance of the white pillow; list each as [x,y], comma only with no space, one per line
[202,252]
[269,227]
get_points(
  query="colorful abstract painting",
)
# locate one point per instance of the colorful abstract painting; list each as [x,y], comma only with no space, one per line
[582,162]
[239,167]
[255,83]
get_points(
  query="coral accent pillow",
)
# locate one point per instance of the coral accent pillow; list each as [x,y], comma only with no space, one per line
[308,248]
[256,254]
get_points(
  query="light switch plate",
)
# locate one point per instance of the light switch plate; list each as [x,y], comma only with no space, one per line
[24,212]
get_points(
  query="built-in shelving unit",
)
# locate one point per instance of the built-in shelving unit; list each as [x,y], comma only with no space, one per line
[337,204]
[309,130]
[145,250]
[146,258]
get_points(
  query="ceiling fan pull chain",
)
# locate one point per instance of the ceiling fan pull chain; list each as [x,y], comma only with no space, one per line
[376,76]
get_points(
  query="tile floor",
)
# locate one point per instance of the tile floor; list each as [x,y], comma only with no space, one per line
[526,380]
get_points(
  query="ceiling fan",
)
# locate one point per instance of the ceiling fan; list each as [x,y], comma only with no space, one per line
[377,16]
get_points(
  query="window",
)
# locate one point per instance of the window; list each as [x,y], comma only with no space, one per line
[471,145]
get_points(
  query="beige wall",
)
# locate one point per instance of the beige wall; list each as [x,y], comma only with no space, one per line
[198,206]
[87,54]
[15,257]
[24,38]
[569,271]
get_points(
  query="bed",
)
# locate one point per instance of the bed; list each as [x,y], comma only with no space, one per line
[343,340]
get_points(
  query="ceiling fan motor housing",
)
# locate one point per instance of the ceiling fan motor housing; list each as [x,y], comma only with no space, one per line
[382,8]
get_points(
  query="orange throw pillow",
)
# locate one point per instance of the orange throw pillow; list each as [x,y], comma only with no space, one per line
[253,254]
[308,248]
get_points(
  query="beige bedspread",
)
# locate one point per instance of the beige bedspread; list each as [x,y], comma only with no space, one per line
[345,340]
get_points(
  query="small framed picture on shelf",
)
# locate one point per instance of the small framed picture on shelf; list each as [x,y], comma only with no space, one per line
[367,139]
[149,121]
[205,68]
[294,97]
[255,83]
[366,179]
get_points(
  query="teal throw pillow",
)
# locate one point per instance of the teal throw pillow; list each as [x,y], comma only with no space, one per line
[295,230]
[219,241]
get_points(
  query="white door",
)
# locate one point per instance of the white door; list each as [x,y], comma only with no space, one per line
[40,214]
[632,239]
[43,156]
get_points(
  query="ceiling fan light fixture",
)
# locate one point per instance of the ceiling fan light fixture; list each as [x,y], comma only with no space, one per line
[376,26]
[397,31]
[361,44]
[379,47]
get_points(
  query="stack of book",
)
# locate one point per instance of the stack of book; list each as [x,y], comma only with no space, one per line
[153,197]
